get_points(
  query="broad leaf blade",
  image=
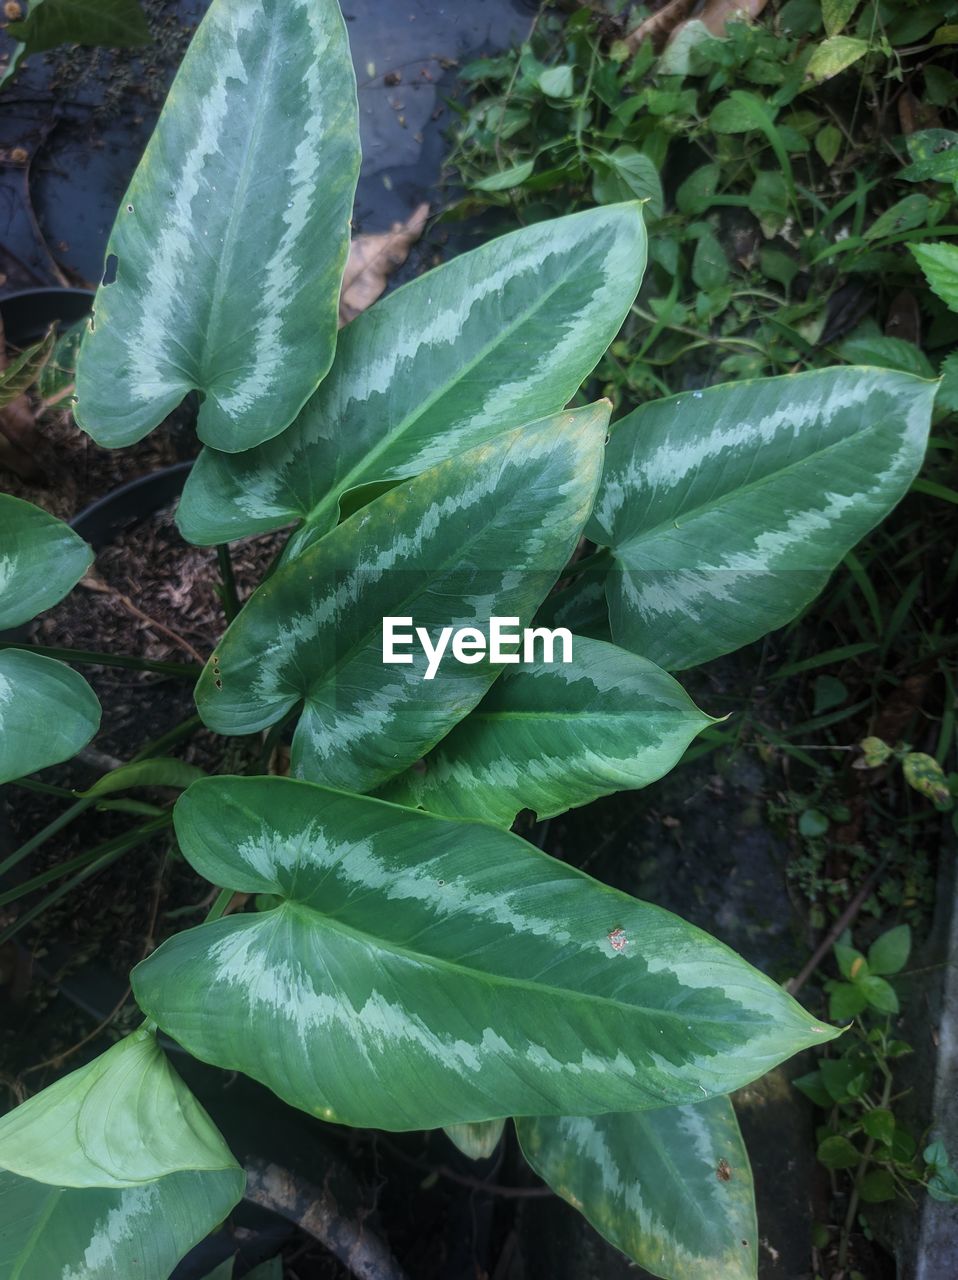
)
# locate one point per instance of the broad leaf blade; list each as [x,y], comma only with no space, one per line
[421,973]
[47,713]
[115,1169]
[119,24]
[64,1233]
[41,558]
[939,262]
[486,533]
[125,1118]
[499,336]
[552,736]
[230,243]
[671,1188]
[727,509]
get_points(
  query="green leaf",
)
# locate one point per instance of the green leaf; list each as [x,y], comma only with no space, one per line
[484,534]
[552,736]
[934,154]
[947,399]
[41,559]
[828,143]
[157,772]
[836,13]
[843,1078]
[889,953]
[557,82]
[627,174]
[21,373]
[887,353]
[904,215]
[119,24]
[124,1119]
[671,1188]
[851,963]
[499,336]
[230,242]
[695,194]
[837,1152]
[829,692]
[879,993]
[506,179]
[738,113]
[812,823]
[710,267]
[943,1186]
[768,201]
[47,713]
[422,973]
[114,1170]
[845,1001]
[939,262]
[833,56]
[935,1155]
[477,1141]
[879,1124]
[727,509]
[925,775]
[877,1187]
[813,1087]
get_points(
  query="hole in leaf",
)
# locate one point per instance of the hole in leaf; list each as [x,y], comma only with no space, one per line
[110,272]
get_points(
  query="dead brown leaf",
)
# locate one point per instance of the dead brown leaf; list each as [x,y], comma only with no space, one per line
[659,27]
[373,259]
[717,13]
[662,27]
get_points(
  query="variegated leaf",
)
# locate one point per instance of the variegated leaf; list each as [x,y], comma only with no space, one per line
[499,336]
[483,534]
[420,973]
[727,509]
[115,1170]
[230,243]
[671,1188]
[47,713]
[477,1141]
[41,558]
[551,736]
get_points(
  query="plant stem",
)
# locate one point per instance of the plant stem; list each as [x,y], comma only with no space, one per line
[794,986]
[184,670]
[862,1169]
[106,857]
[156,746]
[231,604]
[169,739]
[61,869]
[44,788]
[218,909]
[49,830]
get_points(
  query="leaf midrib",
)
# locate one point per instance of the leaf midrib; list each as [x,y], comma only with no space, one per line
[716,504]
[354,475]
[224,260]
[479,975]
[447,563]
